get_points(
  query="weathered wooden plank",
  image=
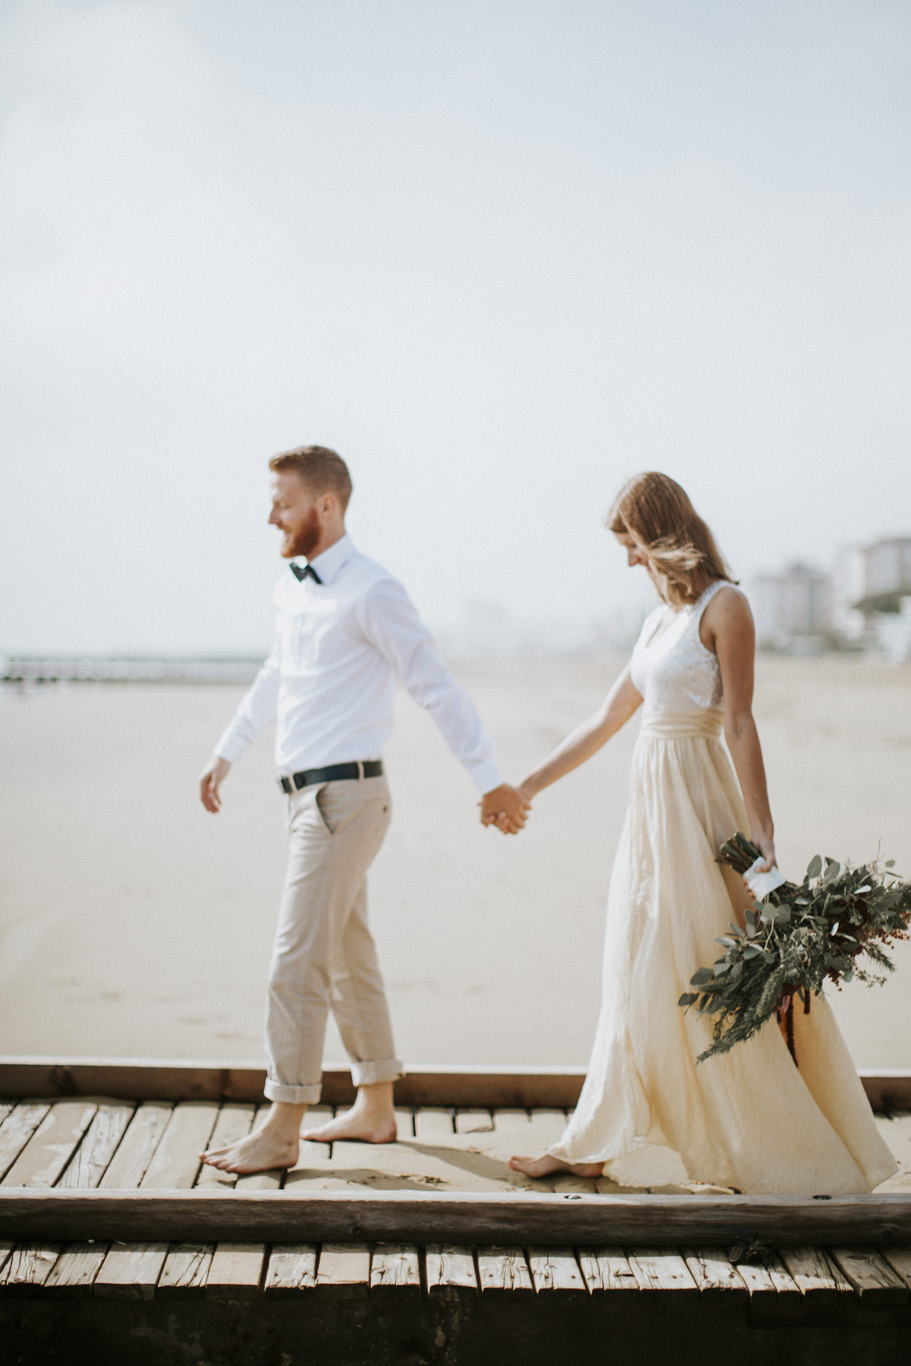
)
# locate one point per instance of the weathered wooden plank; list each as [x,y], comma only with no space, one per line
[422,1217]
[896,1131]
[887,1089]
[473,1121]
[504,1269]
[871,1276]
[130,1271]
[657,1269]
[129,1079]
[29,1265]
[712,1271]
[344,1269]
[99,1143]
[6,1108]
[814,1274]
[555,1268]
[74,1271]
[899,1258]
[134,1153]
[607,1268]
[167,1079]
[511,1120]
[16,1130]
[185,1270]
[236,1270]
[766,1277]
[430,1123]
[175,1162]
[449,1271]
[395,1267]
[51,1146]
[291,1269]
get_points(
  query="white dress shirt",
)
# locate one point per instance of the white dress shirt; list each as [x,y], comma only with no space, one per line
[329,681]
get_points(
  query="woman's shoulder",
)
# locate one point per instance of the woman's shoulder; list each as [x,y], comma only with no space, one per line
[727,608]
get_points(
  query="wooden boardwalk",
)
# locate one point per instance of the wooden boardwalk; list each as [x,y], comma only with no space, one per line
[103,1199]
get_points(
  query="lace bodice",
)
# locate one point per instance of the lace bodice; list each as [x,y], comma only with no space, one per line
[670,666]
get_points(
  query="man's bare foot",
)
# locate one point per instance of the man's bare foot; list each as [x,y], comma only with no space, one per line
[547,1165]
[353,1127]
[371,1119]
[274,1144]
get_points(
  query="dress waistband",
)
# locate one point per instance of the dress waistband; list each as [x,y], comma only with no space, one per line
[671,725]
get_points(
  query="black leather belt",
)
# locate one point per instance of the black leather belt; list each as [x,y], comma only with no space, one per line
[333,773]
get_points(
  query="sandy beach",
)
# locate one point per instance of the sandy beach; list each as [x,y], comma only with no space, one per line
[134,923]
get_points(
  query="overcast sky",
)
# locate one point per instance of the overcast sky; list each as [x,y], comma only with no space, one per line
[500,253]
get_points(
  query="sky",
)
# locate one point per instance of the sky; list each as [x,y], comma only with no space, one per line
[500,254]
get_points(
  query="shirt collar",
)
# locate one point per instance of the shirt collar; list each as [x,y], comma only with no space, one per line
[331,561]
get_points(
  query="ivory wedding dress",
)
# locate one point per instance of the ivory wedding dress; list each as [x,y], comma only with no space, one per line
[748,1119]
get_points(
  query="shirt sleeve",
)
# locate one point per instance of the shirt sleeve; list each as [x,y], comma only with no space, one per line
[390,622]
[255,714]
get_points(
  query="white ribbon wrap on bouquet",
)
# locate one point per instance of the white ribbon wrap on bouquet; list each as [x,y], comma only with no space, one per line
[761,884]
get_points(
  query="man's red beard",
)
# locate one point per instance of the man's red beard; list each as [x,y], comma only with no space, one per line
[304,539]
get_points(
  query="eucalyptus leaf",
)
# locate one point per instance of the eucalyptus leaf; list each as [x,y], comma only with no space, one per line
[814,867]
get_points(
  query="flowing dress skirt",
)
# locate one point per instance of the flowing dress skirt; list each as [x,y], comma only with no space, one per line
[748,1119]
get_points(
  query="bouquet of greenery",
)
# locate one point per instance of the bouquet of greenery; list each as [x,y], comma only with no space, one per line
[796,939]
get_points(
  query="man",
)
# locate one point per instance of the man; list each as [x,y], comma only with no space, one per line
[345,629]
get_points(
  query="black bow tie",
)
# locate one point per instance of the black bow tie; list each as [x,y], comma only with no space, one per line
[308,572]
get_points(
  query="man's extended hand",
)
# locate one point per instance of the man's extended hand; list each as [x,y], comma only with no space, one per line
[211,780]
[506,808]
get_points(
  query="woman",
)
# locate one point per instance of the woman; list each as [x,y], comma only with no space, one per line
[647,1115]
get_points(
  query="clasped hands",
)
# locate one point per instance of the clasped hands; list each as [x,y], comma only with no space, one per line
[506,807]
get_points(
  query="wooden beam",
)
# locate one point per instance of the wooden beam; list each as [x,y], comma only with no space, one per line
[140,1079]
[463,1219]
[478,1088]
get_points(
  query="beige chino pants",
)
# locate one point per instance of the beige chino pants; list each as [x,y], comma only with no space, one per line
[324,957]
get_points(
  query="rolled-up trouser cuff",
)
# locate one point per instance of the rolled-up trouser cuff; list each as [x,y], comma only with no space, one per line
[292,1095]
[371,1073]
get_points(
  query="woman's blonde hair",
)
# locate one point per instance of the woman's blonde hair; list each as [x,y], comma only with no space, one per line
[656,512]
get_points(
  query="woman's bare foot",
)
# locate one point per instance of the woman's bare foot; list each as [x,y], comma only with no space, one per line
[371,1119]
[547,1165]
[274,1144]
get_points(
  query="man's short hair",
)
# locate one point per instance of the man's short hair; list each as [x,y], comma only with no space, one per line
[322,470]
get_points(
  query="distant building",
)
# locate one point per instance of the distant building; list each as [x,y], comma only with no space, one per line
[886,575]
[884,600]
[850,623]
[793,609]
